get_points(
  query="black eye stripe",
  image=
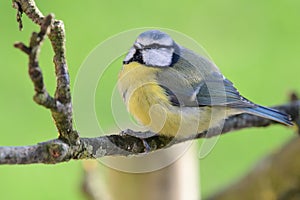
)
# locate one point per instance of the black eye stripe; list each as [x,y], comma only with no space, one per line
[137,57]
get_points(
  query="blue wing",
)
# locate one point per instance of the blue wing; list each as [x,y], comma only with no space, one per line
[211,93]
[219,91]
[197,82]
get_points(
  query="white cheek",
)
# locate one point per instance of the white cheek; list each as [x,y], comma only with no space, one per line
[130,54]
[158,57]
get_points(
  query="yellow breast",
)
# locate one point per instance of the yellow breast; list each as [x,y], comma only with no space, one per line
[140,91]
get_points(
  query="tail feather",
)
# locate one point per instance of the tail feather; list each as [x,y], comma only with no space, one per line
[271,114]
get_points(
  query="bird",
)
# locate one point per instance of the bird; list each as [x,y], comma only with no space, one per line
[176,92]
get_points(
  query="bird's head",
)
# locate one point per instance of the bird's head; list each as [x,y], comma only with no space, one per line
[154,49]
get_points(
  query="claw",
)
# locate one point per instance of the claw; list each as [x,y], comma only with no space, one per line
[140,135]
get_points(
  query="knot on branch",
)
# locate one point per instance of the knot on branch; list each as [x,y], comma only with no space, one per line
[57,151]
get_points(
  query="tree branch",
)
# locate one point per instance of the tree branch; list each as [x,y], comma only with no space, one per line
[56,151]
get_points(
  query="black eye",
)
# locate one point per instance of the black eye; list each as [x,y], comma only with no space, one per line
[137,57]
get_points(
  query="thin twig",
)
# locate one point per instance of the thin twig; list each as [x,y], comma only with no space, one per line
[17,6]
[22,47]
[60,105]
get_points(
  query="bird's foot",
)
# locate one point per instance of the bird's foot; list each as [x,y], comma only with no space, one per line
[143,136]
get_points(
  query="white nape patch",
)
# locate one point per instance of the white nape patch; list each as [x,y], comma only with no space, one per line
[161,57]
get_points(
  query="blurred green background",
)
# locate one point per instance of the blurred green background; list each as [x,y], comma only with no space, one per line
[256,44]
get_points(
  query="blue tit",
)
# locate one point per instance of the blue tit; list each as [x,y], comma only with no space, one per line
[174,91]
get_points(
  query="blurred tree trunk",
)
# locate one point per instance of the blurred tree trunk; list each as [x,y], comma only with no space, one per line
[177,181]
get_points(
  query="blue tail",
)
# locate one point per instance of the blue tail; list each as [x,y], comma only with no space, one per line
[271,114]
